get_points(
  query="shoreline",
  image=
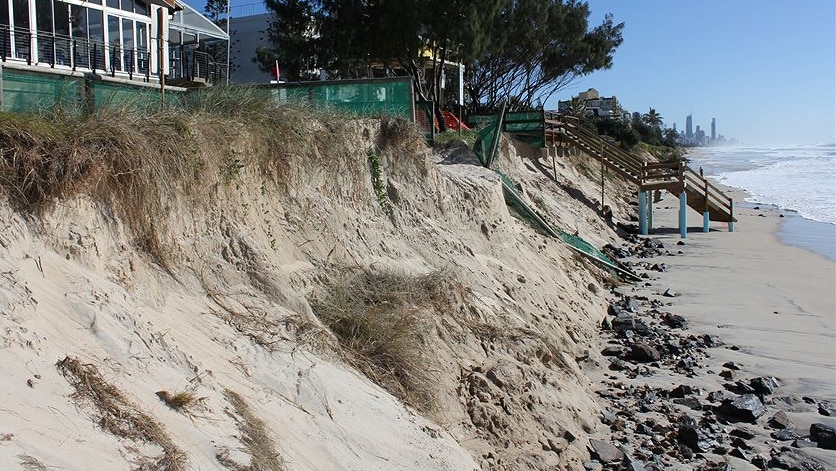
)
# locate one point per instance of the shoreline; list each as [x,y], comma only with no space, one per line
[772,309]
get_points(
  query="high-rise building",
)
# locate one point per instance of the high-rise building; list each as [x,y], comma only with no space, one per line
[689,128]
[713,130]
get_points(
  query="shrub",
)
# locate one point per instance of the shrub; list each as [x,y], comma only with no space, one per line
[379,319]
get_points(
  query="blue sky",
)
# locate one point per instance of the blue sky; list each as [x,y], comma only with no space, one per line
[765,69]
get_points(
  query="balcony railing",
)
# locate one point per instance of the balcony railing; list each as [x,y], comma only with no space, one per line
[186,62]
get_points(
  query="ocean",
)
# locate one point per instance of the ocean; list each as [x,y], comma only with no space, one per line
[799,180]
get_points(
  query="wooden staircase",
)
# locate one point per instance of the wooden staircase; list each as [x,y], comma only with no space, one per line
[675,177]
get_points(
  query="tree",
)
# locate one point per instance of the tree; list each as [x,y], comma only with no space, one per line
[519,50]
[537,48]
[292,38]
[653,119]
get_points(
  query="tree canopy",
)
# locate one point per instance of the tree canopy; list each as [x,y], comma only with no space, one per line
[520,50]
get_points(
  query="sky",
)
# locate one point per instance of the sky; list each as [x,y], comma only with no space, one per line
[764,69]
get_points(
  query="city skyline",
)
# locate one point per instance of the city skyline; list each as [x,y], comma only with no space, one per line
[764,69]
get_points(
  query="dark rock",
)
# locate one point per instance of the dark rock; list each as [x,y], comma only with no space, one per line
[669,293]
[784,435]
[716,396]
[617,364]
[612,351]
[747,407]
[790,459]
[688,434]
[728,374]
[779,420]
[645,353]
[607,417]
[674,321]
[690,402]
[738,442]
[803,443]
[681,242]
[825,409]
[731,365]
[740,387]
[760,461]
[743,433]
[681,391]
[763,385]
[605,324]
[605,452]
[824,435]
[738,453]
[685,451]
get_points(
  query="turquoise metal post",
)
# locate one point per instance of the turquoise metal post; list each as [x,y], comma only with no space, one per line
[683,213]
[650,212]
[643,212]
[705,222]
[731,215]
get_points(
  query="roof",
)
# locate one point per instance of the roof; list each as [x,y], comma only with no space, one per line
[189,20]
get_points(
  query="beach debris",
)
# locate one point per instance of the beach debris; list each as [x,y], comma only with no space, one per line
[824,435]
[605,452]
[787,458]
[763,385]
[746,407]
[645,353]
[780,420]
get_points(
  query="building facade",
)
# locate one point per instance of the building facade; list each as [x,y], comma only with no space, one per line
[122,38]
[594,104]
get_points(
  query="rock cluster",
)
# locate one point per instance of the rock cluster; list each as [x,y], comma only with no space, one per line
[684,427]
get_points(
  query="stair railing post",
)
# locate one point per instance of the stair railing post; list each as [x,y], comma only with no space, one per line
[602,176]
[643,212]
[683,212]
[705,219]
[731,215]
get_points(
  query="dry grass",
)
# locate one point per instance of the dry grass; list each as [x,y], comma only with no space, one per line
[139,162]
[397,132]
[255,437]
[380,319]
[30,463]
[181,402]
[117,415]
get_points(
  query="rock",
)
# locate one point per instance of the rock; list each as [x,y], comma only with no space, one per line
[688,435]
[645,353]
[592,465]
[617,364]
[763,385]
[607,417]
[681,391]
[803,443]
[716,396]
[690,402]
[824,435]
[743,433]
[760,461]
[681,242]
[825,409]
[738,453]
[784,435]
[747,407]
[605,452]
[674,321]
[669,293]
[780,420]
[612,351]
[728,374]
[731,365]
[787,458]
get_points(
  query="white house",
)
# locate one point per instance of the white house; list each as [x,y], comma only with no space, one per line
[128,39]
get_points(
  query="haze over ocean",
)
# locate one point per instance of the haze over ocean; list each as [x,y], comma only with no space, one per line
[798,179]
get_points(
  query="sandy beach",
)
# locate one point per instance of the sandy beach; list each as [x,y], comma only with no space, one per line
[771,304]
